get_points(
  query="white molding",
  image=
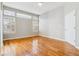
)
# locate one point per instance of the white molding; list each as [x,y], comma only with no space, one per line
[58,39]
[77,47]
[20,37]
[51,37]
[41,35]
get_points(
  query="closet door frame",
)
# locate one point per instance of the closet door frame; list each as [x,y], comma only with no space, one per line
[77,25]
[70,28]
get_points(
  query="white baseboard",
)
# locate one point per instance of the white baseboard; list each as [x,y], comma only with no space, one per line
[77,48]
[41,35]
[52,37]
[20,37]
[58,39]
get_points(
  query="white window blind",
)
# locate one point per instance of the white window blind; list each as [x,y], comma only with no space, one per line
[8,12]
[21,15]
[9,24]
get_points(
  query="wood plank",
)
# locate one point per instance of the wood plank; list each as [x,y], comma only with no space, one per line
[39,46]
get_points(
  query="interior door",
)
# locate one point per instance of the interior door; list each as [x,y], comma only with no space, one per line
[70,32]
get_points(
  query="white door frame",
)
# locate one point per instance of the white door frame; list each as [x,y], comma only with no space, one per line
[1,24]
[68,31]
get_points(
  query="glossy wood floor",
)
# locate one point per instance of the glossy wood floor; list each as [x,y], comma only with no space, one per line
[39,46]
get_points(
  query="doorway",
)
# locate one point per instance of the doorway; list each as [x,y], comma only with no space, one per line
[70,27]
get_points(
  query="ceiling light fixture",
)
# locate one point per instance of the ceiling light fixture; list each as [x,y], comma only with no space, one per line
[40,4]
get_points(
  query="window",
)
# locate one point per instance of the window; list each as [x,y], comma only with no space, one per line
[35,24]
[21,15]
[9,21]
[9,13]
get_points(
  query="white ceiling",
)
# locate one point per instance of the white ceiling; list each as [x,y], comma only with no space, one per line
[33,6]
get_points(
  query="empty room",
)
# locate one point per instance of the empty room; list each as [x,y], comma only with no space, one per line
[39,28]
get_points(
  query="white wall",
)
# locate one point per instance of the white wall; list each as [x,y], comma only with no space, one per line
[51,24]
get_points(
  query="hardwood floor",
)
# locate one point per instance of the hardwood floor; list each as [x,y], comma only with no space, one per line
[39,46]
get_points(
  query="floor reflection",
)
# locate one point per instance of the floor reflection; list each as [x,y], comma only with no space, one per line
[9,50]
[35,46]
[38,46]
